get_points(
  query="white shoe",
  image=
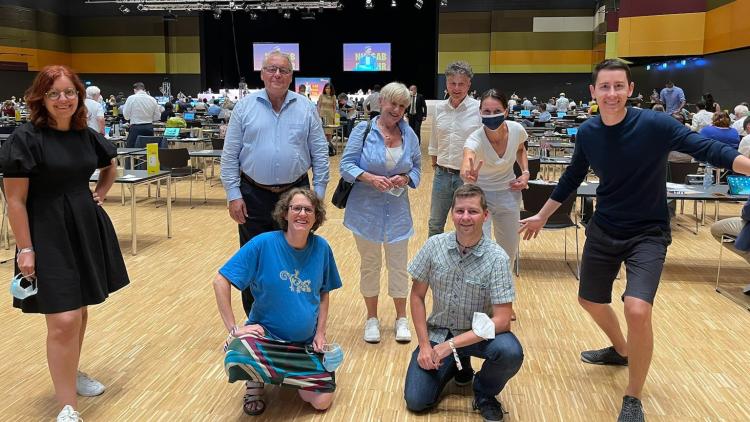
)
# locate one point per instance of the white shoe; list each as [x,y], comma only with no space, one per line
[87,386]
[372,330]
[67,414]
[403,335]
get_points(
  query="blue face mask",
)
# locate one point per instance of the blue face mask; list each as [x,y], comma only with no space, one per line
[18,291]
[494,121]
[333,356]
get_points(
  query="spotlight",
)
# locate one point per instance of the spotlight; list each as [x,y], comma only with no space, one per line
[418,4]
[253,16]
[140,7]
[368,4]
[217,13]
[663,65]
[170,17]
[124,9]
[648,67]
[287,14]
[320,7]
[393,3]
[340,6]
[443,3]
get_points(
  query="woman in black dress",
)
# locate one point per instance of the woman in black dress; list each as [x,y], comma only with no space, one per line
[64,238]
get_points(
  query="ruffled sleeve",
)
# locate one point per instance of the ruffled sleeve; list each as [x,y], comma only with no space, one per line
[105,150]
[21,153]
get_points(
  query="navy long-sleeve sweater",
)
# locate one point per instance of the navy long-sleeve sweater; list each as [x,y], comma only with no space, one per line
[630,159]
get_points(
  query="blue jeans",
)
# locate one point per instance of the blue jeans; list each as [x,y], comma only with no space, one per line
[443,186]
[503,358]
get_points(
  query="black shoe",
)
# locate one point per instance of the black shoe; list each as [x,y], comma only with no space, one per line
[465,376]
[632,410]
[606,356]
[490,409]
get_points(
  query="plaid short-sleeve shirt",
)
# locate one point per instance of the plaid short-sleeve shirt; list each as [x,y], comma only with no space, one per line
[461,285]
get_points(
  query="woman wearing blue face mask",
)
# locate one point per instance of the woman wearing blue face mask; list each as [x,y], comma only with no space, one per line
[489,155]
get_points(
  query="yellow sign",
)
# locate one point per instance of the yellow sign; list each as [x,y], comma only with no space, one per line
[152,158]
[337,119]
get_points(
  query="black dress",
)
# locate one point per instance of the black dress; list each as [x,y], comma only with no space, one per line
[78,259]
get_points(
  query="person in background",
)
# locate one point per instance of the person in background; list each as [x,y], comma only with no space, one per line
[347,112]
[720,131]
[142,110]
[94,110]
[658,107]
[711,105]
[201,106]
[372,102]
[65,241]
[9,108]
[740,116]
[382,167]
[544,115]
[468,275]
[327,109]
[739,229]
[593,108]
[744,147]
[167,113]
[214,109]
[702,118]
[673,98]
[455,119]
[628,148]
[562,103]
[416,112]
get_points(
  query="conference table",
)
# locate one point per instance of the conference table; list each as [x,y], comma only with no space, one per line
[133,178]
[677,191]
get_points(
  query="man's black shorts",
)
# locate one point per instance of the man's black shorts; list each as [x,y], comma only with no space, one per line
[643,254]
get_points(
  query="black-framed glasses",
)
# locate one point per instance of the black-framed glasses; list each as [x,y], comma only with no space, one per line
[273,69]
[297,209]
[68,93]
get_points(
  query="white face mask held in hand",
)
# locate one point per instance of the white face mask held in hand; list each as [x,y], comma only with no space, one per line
[483,326]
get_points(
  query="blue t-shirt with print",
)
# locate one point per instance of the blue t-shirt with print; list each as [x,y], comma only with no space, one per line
[285,282]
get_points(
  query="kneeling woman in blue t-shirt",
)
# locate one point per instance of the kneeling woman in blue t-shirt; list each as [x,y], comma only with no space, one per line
[289,273]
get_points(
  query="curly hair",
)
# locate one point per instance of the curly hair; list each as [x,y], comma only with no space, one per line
[721,119]
[37,93]
[281,209]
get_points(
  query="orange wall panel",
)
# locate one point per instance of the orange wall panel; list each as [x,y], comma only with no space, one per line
[728,27]
[662,35]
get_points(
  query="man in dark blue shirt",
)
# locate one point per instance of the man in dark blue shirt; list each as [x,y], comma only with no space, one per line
[627,148]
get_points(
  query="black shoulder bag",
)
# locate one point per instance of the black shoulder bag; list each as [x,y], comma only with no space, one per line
[341,194]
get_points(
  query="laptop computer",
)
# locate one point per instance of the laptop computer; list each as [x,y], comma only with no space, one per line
[738,185]
[572,131]
[525,113]
[561,114]
[172,132]
[188,116]
[107,130]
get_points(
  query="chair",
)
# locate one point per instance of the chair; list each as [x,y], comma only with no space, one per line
[727,241]
[534,199]
[535,165]
[177,162]
[677,173]
[217,143]
[141,141]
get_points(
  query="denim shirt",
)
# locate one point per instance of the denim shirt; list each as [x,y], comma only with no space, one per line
[371,214]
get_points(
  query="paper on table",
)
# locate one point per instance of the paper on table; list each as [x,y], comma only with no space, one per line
[678,188]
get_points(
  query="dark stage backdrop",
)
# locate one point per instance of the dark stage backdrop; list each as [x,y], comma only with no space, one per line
[411,32]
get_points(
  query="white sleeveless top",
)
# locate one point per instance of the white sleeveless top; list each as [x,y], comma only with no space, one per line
[496,172]
[392,155]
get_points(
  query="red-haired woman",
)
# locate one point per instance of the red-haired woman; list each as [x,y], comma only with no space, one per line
[64,238]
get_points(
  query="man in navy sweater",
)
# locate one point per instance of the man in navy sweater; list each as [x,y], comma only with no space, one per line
[627,148]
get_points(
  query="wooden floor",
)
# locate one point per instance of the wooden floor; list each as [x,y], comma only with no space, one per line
[157,343]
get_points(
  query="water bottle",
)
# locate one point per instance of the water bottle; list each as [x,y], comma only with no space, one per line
[708,176]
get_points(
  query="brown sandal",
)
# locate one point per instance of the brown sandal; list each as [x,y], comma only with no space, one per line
[253,403]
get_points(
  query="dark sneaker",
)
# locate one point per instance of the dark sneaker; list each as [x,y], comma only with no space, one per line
[606,356]
[465,376]
[632,410]
[490,409]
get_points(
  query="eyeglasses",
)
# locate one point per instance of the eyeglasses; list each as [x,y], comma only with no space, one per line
[273,69]
[68,93]
[297,209]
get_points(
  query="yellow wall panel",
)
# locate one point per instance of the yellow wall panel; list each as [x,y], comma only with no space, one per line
[184,63]
[479,60]
[34,58]
[541,57]
[662,35]
[611,50]
[118,62]
[526,68]
[728,27]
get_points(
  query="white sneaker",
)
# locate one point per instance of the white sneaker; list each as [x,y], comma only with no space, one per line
[372,330]
[67,414]
[87,386]
[403,335]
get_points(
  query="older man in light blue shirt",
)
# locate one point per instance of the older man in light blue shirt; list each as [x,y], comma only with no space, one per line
[274,137]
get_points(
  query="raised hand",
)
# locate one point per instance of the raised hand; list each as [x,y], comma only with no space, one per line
[471,174]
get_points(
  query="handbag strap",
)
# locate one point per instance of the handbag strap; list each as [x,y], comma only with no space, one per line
[367,132]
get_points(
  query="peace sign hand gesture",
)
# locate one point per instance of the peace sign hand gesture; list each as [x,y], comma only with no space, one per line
[471,174]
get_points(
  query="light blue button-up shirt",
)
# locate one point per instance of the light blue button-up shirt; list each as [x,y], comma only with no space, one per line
[371,214]
[274,148]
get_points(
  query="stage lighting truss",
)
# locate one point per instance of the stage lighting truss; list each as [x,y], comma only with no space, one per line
[216,6]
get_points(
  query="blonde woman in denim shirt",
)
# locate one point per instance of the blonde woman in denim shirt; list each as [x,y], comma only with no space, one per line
[384,166]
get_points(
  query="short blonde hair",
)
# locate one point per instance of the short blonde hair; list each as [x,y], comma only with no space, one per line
[396,92]
[281,54]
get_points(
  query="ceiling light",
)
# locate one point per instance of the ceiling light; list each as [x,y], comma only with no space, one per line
[124,9]
[368,4]
[418,4]
[393,3]
[140,7]
[287,14]
[253,16]
[443,3]
[340,6]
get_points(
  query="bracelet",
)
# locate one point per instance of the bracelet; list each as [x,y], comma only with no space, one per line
[25,250]
[526,172]
[455,354]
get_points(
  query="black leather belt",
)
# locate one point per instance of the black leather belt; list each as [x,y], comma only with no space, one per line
[271,188]
[449,170]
